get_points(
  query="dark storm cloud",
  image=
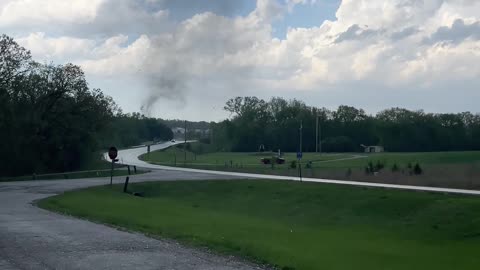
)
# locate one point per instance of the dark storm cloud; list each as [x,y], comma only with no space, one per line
[172,81]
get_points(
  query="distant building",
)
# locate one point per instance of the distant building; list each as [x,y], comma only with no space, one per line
[373,148]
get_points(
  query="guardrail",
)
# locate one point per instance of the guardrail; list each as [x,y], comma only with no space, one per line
[65,174]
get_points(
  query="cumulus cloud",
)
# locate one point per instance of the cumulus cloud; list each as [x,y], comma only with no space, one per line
[83,18]
[23,12]
[57,49]
[372,46]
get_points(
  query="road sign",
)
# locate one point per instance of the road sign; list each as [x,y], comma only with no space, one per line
[112,153]
[299,155]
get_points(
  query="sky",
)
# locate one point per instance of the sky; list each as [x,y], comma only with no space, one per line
[183,59]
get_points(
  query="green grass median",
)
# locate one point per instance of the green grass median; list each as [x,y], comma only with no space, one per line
[295,225]
[438,169]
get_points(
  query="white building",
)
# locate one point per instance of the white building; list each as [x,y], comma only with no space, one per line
[373,148]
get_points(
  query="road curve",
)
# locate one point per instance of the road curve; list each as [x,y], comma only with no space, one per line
[131,157]
[32,238]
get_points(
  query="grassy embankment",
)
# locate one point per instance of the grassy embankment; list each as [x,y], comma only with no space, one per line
[296,225]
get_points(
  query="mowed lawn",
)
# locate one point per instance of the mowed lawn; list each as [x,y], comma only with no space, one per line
[176,155]
[439,169]
[296,225]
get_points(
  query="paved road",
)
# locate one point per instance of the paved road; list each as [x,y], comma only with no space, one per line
[130,157]
[32,238]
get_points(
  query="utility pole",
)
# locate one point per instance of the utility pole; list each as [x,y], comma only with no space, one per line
[316,137]
[300,153]
[185,146]
[111,172]
[301,133]
[320,137]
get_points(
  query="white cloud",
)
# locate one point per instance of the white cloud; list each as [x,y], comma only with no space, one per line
[58,49]
[83,18]
[372,43]
[116,59]
[40,11]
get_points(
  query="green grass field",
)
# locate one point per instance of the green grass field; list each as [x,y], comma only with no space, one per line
[296,225]
[176,155]
[343,160]
[441,169]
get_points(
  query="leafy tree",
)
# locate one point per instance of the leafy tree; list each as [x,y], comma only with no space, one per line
[51,121]
[39,104]
[276,123]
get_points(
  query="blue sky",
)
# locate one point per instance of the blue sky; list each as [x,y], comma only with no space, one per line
[304,16]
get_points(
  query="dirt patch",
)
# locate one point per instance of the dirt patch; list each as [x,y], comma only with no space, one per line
[464,176]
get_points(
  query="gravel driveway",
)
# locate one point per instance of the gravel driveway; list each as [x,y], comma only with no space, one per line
[32,238]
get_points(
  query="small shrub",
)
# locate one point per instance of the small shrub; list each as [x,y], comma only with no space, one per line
[348,173]
[293,164]
[370,169]
[308,165]
[417,170]
[379,166]
[395,167]
[410,168]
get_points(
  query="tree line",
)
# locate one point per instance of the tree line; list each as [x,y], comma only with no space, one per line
[276,125]
[51,121]
[133,129]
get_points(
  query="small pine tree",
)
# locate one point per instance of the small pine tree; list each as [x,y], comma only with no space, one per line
[379,166]
[417,170]
[349,173]
[410,168]
[395,167]
[371,168]
[293,164]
